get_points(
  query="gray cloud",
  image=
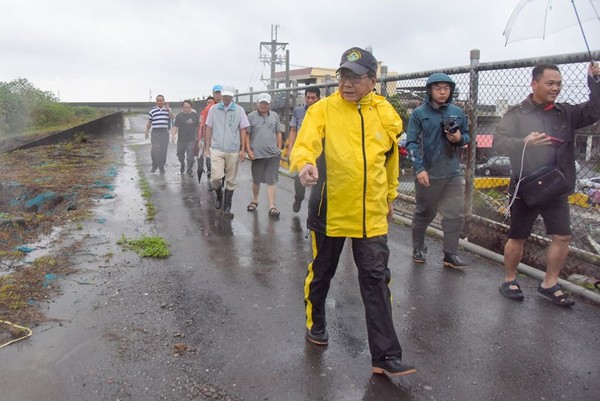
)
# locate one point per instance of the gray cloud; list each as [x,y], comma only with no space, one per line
[119,50]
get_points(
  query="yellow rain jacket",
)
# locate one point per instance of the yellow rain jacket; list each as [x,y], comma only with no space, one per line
[355,147]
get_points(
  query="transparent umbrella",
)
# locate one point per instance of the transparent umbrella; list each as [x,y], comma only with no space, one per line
[540,18]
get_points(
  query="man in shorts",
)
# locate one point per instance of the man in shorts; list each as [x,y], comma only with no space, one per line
[263,145]
[540,132]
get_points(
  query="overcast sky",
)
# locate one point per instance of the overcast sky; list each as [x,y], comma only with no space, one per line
[118,50]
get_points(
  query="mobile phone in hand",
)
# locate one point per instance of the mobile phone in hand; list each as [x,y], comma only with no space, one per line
[555,139]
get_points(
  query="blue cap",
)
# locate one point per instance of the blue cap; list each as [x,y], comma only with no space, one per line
[217,88]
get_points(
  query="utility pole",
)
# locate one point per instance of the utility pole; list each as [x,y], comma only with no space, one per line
[272,57]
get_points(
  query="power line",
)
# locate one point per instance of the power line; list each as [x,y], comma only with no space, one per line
[272,57]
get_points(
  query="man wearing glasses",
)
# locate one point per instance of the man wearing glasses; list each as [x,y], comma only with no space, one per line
[437,130]
[347,149]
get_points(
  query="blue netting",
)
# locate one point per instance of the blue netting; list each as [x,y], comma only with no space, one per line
[112,172]
[40,199]
[100,184]
[24,249]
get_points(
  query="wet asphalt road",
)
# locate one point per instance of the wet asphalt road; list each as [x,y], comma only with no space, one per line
[232,292]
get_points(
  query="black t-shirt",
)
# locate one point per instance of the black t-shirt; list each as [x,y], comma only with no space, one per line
[187,125]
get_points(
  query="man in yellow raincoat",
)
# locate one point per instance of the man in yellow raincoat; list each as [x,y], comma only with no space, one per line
[347,150]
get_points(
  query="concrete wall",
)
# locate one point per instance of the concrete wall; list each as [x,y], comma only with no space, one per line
[111,124]
[126,107]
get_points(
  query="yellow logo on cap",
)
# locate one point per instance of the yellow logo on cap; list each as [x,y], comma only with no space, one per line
[353,55]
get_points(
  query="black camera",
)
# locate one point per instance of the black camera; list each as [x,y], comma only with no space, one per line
[450,125]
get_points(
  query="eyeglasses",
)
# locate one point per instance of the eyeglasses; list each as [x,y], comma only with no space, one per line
[441,88]
[353,78]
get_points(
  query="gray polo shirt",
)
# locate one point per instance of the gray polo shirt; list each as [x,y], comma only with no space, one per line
[263,134]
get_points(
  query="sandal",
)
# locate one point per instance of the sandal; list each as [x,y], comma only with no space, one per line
[273,212]
[557,295]
[512,293]
[252,206]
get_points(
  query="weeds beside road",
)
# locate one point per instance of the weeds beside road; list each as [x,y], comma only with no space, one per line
[40,189]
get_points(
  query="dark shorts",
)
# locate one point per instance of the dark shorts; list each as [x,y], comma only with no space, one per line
[265,171]
[556,215]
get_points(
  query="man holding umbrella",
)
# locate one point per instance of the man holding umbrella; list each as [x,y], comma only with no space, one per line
[537,133]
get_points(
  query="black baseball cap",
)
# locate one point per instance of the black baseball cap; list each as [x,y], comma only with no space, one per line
[359,61]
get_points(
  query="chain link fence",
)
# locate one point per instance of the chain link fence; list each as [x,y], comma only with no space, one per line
[485,91]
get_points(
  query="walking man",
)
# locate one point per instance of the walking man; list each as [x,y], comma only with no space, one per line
[348,151]
[217,98]
[225,138]
[185,128]
[159,120]
[540,132]
[437,130]
[311,96]
[263,145]
[201,135]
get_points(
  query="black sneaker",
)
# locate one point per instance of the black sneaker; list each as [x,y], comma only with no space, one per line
[418,255]
[393,366]
[319,337]
[451,260]
[297,205]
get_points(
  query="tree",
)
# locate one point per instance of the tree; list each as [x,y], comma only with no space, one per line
[396,102]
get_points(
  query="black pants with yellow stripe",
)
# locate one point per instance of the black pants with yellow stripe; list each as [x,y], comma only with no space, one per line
[371,257]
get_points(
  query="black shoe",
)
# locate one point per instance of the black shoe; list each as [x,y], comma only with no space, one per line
[452,260]
[190,173]
[512,293]
[162,170]
[393,366]
[154,169]
[319,337]
[297,205]
[418,255]
[557,295]
[182,169]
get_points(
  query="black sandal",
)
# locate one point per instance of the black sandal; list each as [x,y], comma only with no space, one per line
[562,299]
[512,293]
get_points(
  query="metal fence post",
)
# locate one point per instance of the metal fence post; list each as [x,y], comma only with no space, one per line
[286,111]
[472,148]
[384,71]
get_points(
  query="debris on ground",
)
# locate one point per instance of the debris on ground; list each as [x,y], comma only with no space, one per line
[43,188]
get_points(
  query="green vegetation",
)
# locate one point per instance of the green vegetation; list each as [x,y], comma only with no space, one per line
[147,194]
[19,291]
[152,247]
[80,137]
[26,109]
[396,102]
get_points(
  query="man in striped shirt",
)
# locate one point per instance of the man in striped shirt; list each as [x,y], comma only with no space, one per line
[159,120]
